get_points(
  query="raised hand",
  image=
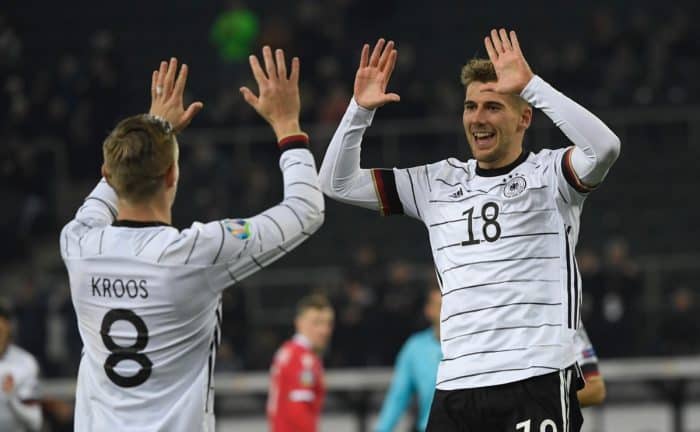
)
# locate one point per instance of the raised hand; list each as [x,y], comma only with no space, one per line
[512,70]
[279,101]
[373,75]
[167,95]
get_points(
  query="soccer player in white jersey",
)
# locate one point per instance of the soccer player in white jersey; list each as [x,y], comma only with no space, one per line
[503,227]
[19,382]
[147,295]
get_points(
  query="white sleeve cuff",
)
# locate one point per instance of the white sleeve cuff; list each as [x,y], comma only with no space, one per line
[361,116]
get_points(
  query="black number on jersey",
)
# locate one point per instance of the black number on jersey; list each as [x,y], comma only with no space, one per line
[490,220]
[120,353]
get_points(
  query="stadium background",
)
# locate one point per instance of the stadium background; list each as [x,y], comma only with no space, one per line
[70,71]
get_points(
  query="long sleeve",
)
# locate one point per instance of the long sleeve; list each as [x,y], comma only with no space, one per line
[98,210]
[242,246]
[596,146]
[341,176]
[399,394]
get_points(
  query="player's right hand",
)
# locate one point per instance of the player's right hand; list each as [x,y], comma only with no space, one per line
[278,101]
[373,75]
[167,95]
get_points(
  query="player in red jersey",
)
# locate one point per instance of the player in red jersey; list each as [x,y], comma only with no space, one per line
[297,387]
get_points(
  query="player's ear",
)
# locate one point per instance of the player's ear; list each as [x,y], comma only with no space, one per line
[105,174]
[525,117]
[171,175]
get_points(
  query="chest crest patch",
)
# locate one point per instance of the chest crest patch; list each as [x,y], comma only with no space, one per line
[514,187]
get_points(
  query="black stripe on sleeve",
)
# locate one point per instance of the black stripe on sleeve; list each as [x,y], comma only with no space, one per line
[571,176]
[256,261]
[294,212]
[385,184]
[192,249]
[276,224]
[413,191]
[427,178]
[314,187]
[221,245]
[111,209]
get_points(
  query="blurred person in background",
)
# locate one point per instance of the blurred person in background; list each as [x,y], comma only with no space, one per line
[19,377]
[148,295]
[415,371]
[680,324]
[297,387]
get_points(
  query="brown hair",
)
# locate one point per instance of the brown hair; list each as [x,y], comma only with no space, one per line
[313,301]
[478,69]
[137,154]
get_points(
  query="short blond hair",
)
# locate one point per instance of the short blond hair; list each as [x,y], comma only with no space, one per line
[478,69]
[137,154]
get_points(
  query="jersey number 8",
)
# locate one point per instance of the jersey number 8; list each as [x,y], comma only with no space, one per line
[121,353]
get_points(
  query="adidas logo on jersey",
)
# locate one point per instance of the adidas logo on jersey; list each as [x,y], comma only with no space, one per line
[457,194]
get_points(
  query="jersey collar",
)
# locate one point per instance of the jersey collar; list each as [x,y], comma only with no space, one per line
[482,172]
[302,340]
[138,224]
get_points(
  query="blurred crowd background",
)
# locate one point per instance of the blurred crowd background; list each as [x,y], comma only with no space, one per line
[69,73]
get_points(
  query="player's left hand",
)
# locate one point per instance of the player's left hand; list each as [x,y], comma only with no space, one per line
[8,384]
[167,95]
[512,70]
[278,101]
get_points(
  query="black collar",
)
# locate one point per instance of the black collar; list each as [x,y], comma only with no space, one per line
[137,224]
[493,172]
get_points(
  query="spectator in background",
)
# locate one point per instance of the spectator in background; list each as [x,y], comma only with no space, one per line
[297,387]
[19,375]
[680,326]
[620,307]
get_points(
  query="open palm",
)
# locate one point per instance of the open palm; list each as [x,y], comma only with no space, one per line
[373,75]
[508,60]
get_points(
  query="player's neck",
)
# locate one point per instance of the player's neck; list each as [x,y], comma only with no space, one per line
[147,212]
[503,165]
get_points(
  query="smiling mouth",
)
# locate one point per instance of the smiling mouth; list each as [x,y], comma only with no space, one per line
[483,139]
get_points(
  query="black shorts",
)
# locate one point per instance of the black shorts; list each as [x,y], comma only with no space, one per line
[545,403]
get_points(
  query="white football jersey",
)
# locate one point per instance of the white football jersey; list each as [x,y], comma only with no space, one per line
[148,301]
[24,369]
[503,244]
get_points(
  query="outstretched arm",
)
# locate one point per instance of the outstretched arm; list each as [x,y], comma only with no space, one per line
[244,246]
[341,176]
[596,146]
